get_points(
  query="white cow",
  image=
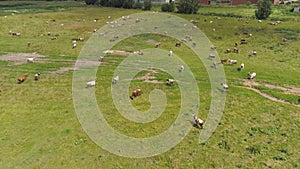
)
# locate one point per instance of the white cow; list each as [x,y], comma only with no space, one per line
[91,84]
[251,75]
[171,53]
[198,121]
[115,80]
[225,86]
[242,66]
[181,68]
[30,60]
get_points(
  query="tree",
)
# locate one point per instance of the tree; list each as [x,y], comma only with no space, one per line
[128,4]
[263,9]
[116,3]
[103,2]
[147,4]
[168,7]
[188,6]
[90,2]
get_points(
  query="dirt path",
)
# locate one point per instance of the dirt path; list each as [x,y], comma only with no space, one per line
[20,58]
[287,90]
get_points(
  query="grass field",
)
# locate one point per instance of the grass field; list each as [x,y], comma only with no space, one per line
[38,123]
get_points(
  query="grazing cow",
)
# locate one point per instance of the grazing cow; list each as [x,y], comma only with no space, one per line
[74,45]
[90,84]
[135,93]
[211,56]
[181,68]
[198,121]
[284,39]
[213,47]
[228,51]
[81,39]
[178,44]
[157,44]
[232,62]
[22,79]
[251,75]
[225,86]
[244,41]
[235,44]
[30,60]
[253,53]
[171,53]
[214,65]
[115,80]
[53,38]
[37,76]
[28,44]
[101,58]
[236,50]
[242,66]
[224,60]
[170,82]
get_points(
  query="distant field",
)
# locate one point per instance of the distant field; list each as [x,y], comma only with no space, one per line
[39,127]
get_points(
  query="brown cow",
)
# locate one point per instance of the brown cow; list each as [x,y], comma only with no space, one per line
[22,79]
[223,60]
[157,44]
[178,44]
[244,41]
[135,93]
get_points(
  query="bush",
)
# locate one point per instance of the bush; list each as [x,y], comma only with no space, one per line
[188,6]
[168,7]
[90,2]
[147,5]
[103,2]
[116,3]
[128,4]
[263,9]
[137,5]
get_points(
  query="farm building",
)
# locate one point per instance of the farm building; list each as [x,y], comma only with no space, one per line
[235,2]
[158,1]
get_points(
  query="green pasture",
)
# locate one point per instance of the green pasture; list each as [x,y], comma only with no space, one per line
[39,127]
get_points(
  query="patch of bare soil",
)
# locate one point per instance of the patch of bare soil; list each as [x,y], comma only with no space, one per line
[120,52]
[20,58]
[148,76]
[271,97]
[151,41]
[287,89]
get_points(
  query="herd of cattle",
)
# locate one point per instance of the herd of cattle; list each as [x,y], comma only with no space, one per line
[186,39]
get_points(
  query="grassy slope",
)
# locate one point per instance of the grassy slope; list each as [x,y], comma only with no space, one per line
[39,128]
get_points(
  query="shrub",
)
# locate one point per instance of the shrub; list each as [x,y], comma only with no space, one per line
[263,9]
[103,2]
[188,6]
[116,3]
[168,7]
[147,5]
[90,2]
[128,4]
[137,5]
